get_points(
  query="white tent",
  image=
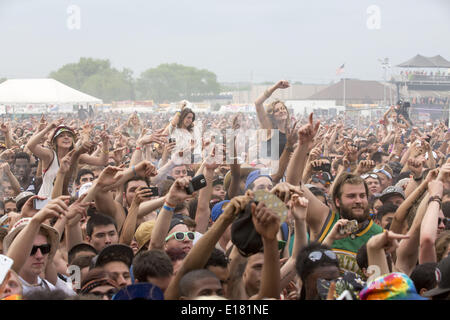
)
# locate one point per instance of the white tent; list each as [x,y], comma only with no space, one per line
[42,91]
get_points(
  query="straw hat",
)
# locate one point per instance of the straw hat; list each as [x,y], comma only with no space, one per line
[21,224]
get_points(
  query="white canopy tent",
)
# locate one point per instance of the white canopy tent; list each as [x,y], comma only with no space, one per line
[35,95]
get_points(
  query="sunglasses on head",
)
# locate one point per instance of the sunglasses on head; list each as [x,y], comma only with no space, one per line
[319,255]
[180,236]
[367,175]
[387,174]
[45,248]
[317,180]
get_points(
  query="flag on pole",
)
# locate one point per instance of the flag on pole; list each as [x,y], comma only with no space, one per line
[340,69]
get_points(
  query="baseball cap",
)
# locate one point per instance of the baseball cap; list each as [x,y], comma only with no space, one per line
[390,191]
[391,286]
[442,274]
[115,252]
[176,221]
[217,210]
[143,233]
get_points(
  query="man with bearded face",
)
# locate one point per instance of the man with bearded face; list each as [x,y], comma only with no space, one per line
[350,202]
[350,199]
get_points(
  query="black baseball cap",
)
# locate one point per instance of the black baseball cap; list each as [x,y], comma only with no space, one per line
[442,274]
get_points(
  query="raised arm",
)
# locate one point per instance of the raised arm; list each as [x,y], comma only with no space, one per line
[199,254]
[299,206]
[130,224]
[177,194]
[103,198]
[15,185]
[267,224]
[22,244]
[203,211]
[429,226]
[263,118]
[45,154]
[317,211]
[379,245]
[102,160]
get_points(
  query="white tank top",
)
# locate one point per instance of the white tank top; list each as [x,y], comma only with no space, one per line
[48,178]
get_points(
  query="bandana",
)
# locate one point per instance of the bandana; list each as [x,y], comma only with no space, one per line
[96,283]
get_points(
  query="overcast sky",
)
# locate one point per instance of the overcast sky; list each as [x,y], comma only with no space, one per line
[239,40]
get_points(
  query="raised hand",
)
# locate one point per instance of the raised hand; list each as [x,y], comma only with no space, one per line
[386,240]
[307,132]
[77,209]
[4,127]
[109,177]
[238,204]
[365,166]
[53,209]
[315,153]
[265,221]
[299,207]
[145,169]
[416,165]
[177,193]
[285,190]
[66,162]
[352,152]
[282,84]
[142,194]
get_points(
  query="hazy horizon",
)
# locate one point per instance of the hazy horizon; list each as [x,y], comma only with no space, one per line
[240,41]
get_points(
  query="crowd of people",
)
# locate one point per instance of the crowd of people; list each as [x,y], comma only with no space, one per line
[186,206]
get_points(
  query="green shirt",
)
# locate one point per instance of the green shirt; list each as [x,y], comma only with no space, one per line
[347,248]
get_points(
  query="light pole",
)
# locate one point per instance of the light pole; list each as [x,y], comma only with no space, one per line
[384,64]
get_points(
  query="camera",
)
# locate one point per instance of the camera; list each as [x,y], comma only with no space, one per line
[350,227]
[196,183]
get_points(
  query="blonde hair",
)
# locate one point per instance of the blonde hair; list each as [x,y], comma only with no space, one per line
[270,111]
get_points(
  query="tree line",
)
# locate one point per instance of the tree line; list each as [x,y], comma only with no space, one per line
[164,83]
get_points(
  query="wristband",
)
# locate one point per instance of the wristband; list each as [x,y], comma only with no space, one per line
[138,148]
[165,207]
[105,151]
[437,199]
[134,171]
[169,204]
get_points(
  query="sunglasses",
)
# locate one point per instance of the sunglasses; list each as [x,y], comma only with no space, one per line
[367,175]
[180,236]
[45,249]
[109,294]
[318,255]
[443,220]
[317,180]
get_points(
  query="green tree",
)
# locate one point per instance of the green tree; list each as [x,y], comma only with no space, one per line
[173,82]
[96,77]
